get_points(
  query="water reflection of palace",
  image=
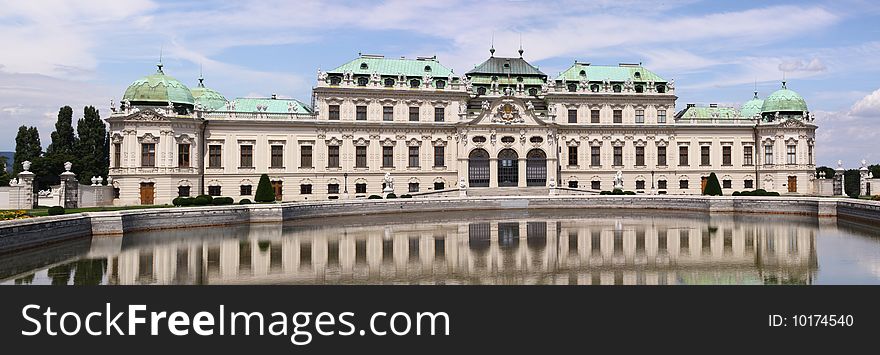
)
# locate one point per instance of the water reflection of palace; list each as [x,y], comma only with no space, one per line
[520,250]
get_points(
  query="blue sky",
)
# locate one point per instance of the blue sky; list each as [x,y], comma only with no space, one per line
[87,52]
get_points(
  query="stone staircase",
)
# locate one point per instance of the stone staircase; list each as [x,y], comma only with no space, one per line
[508,191]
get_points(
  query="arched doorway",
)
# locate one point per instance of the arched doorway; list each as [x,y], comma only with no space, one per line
[536,168]
[508,168]
[478,168]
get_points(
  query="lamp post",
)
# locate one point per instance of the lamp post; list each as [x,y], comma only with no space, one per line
[345,176]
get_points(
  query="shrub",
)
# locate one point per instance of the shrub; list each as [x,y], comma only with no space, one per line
[406,196]
[391,195]
[56,210]
[735,193]
[333,197]
[374,197]
[713,188]
[182,201]
[202,200]
[875,198]
[758,192]
[244,201]
[604,192]
[264,190]
[629,192]
[222,201]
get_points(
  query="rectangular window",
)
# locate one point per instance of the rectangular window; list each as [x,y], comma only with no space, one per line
[810,154]
[683,184]
[661,156]
[413,157]
[726,152]
[573,156]
[277,156]
[726,184]
[618,116]
[595,158]
[439,185]
[183,191]
[333,113]
[618,156]
[595,185]
[305,189]
[387,157]
[361,113]
[439,156]
[594,116]
[683,155]
[214,156]
[117,155]
[214,190]
[246,159]
[640,116]
[360,188]
[748,183]
[640,184]
[148,154]
[246,190]
[572,184]
[439,114]
[748,158]
[387,113]
[333,156]
[640,156]
[413,187]
[305,156]
[768,155]
[183,156]
[360,153]
[791,154]
[414,114]
[661,184]
[332,188]
[572,116]
[661,116]
[704,156]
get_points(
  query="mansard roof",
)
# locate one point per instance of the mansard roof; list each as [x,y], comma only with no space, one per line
[503,66]
[621,72]
[712,111]
[367,64]
[271,104]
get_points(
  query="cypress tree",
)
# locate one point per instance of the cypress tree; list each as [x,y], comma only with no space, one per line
[4,175]
[61,150]
[27,147]
[63,138]
[713,188]
[264,190]
[91,145]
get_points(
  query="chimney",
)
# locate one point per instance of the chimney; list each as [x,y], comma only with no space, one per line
[713,105]
[274,96]
[691,105]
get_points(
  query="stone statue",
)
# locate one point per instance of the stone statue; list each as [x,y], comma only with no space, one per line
[671,84]
[462,109]
[109,181]
[507,91]
[545,87]
[618,180]
[26,165]
[375,77]
[389,182]
[530,106]
[864,163]
[551,110]
[461,183]
[112,105]
[322,76]
[839,164]
[552,183]
[427,79]
[628,84]
[485,105]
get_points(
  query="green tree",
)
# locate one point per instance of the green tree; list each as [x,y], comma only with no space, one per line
[829,172]
[852,182]
[61,150]
[4,175]
[63,138]
[713,188]
[92,160]
[875,170]
[264,190]
[27,147]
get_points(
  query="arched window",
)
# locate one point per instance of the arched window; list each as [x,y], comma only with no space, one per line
[362,81]
[481,90]
[616,88]
[640,89]
[335,80]
[478,168]
[572,87]
[364,66]
[661,88]
[508,167]
[583,73]
[533,92]
[414,83]
[594,88]
[441,84]
[389,82]
[428,68]
[536,167]
[637,75]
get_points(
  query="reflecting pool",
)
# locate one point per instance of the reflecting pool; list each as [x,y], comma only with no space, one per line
[566,247]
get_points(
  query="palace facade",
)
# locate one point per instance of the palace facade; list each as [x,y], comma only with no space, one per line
[503,127]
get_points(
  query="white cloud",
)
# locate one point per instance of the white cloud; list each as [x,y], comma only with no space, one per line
[850,135]
[868,106]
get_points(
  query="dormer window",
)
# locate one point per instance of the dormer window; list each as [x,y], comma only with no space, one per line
[427,68]
[335,80]
[506,65]
[661,88]
[519,79]
[440,84]
[364,66]
[594,88]
[583,73]
[616,88]
[572,87]
[640,89]
[637,75]
[362,81]
[389,82]
[414,83]
[533,92]
[481,90]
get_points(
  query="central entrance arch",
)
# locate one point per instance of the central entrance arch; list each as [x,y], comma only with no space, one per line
[536,168]
[478,168]
[508,168]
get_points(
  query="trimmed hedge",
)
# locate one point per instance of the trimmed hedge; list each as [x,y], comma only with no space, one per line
[758,192]
[406,196]
[56,210]
[202,200]
[183,201]
[374,197]
[245,201]
[222,201]
[264,190]
[391,195]
[617,192]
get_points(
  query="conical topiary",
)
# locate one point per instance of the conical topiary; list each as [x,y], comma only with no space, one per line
[264,190]
[713,188]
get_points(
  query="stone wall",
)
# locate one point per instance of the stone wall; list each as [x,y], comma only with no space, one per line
[22,234]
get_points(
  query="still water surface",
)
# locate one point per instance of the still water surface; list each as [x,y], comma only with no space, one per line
[490,247]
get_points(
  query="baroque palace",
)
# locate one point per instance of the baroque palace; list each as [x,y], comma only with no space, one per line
[503,127]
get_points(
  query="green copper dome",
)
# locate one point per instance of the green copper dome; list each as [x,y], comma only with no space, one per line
[160,89]
[784,100]
[209,99]
[751,107]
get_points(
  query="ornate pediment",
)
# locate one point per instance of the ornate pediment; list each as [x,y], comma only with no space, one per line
[792,123]
[146,115]
[508,113]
